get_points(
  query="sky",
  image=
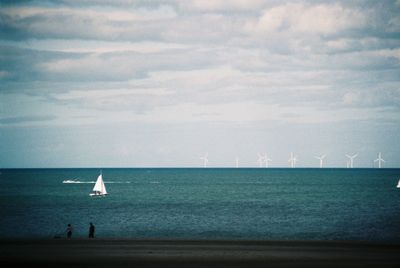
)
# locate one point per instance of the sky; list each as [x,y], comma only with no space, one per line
[130,83]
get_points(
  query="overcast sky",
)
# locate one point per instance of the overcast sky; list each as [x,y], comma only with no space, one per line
[159,83]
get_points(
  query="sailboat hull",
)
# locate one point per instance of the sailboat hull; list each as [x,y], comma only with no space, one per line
[92,194]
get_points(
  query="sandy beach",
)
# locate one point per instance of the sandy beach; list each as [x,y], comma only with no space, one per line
[185,253]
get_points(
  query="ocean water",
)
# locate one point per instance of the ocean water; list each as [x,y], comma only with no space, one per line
[264,204]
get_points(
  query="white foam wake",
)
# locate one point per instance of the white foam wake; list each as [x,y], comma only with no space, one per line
[76,181]
[117,182]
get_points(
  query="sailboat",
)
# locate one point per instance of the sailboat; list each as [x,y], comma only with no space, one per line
[99,188]
[398,184]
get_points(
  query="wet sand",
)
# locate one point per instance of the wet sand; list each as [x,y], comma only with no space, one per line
[201,253]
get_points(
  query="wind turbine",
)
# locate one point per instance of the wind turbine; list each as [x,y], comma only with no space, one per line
[292,160]
[266,159]
[205,159]
[321,158]
[260,159]
[237,162]
[351,158]
[379,160]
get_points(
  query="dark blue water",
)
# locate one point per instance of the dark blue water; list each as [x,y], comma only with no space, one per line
[301,204]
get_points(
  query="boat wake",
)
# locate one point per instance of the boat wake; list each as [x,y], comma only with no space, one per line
[76,181]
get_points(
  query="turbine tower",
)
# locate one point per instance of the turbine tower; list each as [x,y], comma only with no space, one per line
[379,160]
[292,160]
[351,158]
[260,159]
[205,159]
[321,158]
[266,159]
[237,162]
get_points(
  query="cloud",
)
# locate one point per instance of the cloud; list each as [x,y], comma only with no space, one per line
[111,15]
[351,97]
[44,22]
[98,47]
[221,5]
[388,99]
[135,100]
[121,56]
[318,19]
[123,65]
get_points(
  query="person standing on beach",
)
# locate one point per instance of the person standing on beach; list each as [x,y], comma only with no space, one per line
[69,231]
[91,231]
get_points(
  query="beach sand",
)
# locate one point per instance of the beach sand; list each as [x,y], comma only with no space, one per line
[201,253]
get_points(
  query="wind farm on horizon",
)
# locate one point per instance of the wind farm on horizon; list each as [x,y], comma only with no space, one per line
[263,161]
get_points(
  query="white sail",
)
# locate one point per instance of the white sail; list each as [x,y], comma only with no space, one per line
[398,184]
[103,187]
[99,188]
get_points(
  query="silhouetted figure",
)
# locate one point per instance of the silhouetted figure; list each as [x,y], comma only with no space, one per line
[69,231]
[91,231]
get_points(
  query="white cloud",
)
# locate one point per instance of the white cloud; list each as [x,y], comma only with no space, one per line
[65,65]
[351,97]
[93,46]
[319,19]
[107,93]
[387,53]
[373,97]
[124,65]
[221,5]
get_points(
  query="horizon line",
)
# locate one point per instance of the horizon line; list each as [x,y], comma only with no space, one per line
[149,167]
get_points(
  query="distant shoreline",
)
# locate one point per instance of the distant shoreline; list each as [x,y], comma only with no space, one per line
[196,253]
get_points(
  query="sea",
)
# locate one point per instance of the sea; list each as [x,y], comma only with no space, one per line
[203,203]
